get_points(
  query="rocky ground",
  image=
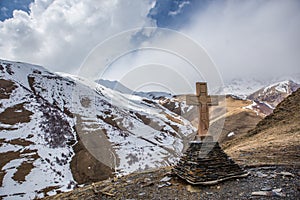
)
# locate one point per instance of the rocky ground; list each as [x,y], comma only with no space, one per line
[266,182]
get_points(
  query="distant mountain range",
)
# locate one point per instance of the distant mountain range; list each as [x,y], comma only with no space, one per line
[243,87]
[117,86]
[72,131]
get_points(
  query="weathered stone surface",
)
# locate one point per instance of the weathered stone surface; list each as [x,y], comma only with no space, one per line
[205,163]
[202,100]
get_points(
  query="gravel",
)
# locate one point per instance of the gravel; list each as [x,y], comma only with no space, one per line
[277,182]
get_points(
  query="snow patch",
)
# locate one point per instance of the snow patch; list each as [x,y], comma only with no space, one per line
[230,134]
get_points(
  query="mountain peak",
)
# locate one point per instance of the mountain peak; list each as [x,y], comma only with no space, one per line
[273,94]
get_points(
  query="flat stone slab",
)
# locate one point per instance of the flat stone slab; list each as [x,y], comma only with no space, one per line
[216,181]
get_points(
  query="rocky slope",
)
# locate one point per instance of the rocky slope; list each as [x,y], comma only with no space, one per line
[70,131]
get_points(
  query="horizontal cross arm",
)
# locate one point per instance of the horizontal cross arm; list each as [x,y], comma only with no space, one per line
[197,100]
[192,100]
[213,100]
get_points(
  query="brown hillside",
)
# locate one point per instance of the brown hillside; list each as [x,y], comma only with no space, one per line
[275,140]
[237,119]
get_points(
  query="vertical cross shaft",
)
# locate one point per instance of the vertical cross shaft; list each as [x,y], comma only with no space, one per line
[201,92]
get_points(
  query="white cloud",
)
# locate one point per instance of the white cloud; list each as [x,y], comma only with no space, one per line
[244,38]
[59,34]
[250,38]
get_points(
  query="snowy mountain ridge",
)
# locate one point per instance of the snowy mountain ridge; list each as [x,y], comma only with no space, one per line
[242,88]
[280,87]
[117,86]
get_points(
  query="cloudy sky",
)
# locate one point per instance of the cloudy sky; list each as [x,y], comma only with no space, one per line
[258,38]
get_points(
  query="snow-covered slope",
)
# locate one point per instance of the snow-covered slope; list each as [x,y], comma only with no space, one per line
[114,85]
[34,136]
[44,115]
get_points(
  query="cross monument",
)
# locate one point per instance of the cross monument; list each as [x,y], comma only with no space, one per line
[203,101]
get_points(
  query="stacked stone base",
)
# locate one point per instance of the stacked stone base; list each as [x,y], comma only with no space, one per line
[205,163]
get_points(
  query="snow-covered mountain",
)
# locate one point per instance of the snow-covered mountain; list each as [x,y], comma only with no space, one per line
[117,86]
[267,98]
[243,87]
[58,130]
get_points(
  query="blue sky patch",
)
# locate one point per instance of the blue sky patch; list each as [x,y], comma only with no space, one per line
[8,6]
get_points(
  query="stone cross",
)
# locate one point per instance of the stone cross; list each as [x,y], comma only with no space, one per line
[202,100]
